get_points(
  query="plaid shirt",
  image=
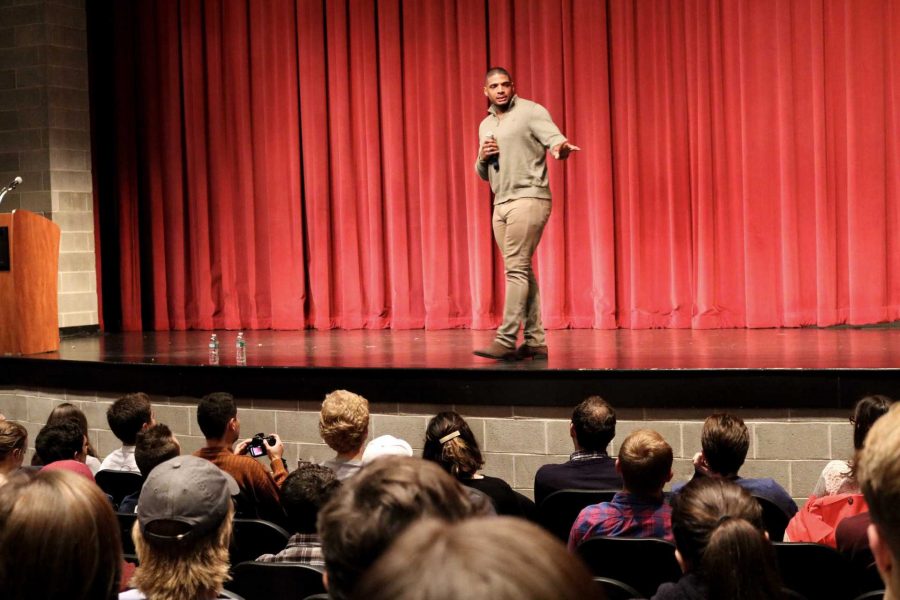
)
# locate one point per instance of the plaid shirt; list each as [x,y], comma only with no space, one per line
[626,515]
[301,548]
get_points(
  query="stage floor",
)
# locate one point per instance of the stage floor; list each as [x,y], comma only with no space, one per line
[649,366]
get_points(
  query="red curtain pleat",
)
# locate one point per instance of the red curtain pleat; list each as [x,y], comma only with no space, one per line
[309,163]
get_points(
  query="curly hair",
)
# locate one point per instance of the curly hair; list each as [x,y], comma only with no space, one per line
[344,421]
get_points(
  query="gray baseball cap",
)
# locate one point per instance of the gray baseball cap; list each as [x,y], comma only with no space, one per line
[184,497]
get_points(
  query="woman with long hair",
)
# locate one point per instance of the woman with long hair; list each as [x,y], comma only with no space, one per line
[721,545]
[449,442]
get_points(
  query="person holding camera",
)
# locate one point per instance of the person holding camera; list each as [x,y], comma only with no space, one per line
[260,488]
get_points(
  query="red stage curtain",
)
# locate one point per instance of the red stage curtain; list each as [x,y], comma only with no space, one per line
[294,163]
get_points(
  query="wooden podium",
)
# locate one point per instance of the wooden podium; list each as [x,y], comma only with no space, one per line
[29,261]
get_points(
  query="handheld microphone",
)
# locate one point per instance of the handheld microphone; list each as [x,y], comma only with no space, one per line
[495,159]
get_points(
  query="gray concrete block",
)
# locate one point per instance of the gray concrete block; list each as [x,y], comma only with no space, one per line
[316,453]
[178,418]
[519,436]
[104,442]
[13,406]
[690,436]
[69,77]
[558,439]
[499,465]
[779,470]
[792,441]
[190,443]
[9,161]
[526,465]
[298,426]
[21,140]
[474,410]
[7,82]
[842,441]
[66,16]
[804,475]
[71,37]
[39,408]
[34,160]
[22,14]
[96,413]
[409,427]
[682,471]
[670,430]
[256,421]
[422,409]
[819,414]
[274,404]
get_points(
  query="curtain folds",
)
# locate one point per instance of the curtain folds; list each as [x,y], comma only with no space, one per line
[309,163]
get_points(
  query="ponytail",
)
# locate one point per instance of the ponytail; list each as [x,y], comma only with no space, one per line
[450,443]
[739,563]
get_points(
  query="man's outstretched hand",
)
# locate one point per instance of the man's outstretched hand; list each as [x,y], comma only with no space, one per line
[562,151]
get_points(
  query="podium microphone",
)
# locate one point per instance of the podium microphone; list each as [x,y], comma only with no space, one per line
[7,188]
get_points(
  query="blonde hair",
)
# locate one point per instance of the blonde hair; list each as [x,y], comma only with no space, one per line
[646,461]
[60,539]
[344,421]
[488,558]
[878,471]
[185,569]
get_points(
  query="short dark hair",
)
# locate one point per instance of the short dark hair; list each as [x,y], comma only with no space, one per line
[595,424]
[304,492]
[153,446]
[214,412]
[375,506]
[497,71]
[61,441]
[868,410]
[127,415]
[725,440]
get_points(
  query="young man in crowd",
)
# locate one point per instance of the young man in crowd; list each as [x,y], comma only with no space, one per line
[344,426]
[879,477]
[63,441]
[218,420]
[590,467]
[640,510]
[303,493]
[724,441]
[127,416]
[153,446]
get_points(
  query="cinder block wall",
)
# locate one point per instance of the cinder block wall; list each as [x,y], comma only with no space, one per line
[45,136]
[791,446]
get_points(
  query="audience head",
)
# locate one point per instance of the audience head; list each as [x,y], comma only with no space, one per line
[304,492]
[450,442]
[154,445]
[593,424]
[60,539]
[645,462]
[63,441]
[480,559]
[375,506]
[128,415]
[183,529]
[344,421]
[868,410]
[385,445]
[725,441]
[878,471]
[719,535]
[72,466]
[217,417]
[13,444]
[67,412]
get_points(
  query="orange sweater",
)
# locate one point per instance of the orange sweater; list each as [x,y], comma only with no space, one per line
[253,478]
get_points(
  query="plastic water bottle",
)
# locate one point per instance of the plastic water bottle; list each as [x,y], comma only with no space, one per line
[240,347]
[213,350]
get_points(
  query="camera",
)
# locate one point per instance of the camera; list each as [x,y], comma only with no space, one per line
[257,445]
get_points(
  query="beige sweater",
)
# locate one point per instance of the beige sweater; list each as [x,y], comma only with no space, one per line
[524,135]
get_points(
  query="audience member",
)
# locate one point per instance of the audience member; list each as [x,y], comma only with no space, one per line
[640,510]
[303,493]
[72,466]
[497,558]
[375,507]
[450,443]
[852,540]
[126,417]
[592,428]
[879,477]
[217,416]
[63,441]
[67,412]
[722,545]
[725,440]
[13,444]
[344,426]
[839,476]
[59,539]
[183,531]
[385,445]
[154,445]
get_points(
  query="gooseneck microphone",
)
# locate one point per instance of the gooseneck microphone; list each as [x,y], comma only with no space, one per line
[12,185]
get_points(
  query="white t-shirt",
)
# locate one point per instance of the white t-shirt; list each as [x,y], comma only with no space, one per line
[120,460]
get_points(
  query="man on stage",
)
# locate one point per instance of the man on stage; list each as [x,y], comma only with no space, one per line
[515,137]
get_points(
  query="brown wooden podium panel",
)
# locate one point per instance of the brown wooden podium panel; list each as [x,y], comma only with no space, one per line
[29,318]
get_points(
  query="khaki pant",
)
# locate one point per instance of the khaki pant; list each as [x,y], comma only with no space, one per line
[518,225]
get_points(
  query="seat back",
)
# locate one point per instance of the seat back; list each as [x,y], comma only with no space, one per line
[775,520]
[266,581]
[814,570]
[252,538]
[642,563]
[126,523]
[119,484]
[613,589]
[559,510]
